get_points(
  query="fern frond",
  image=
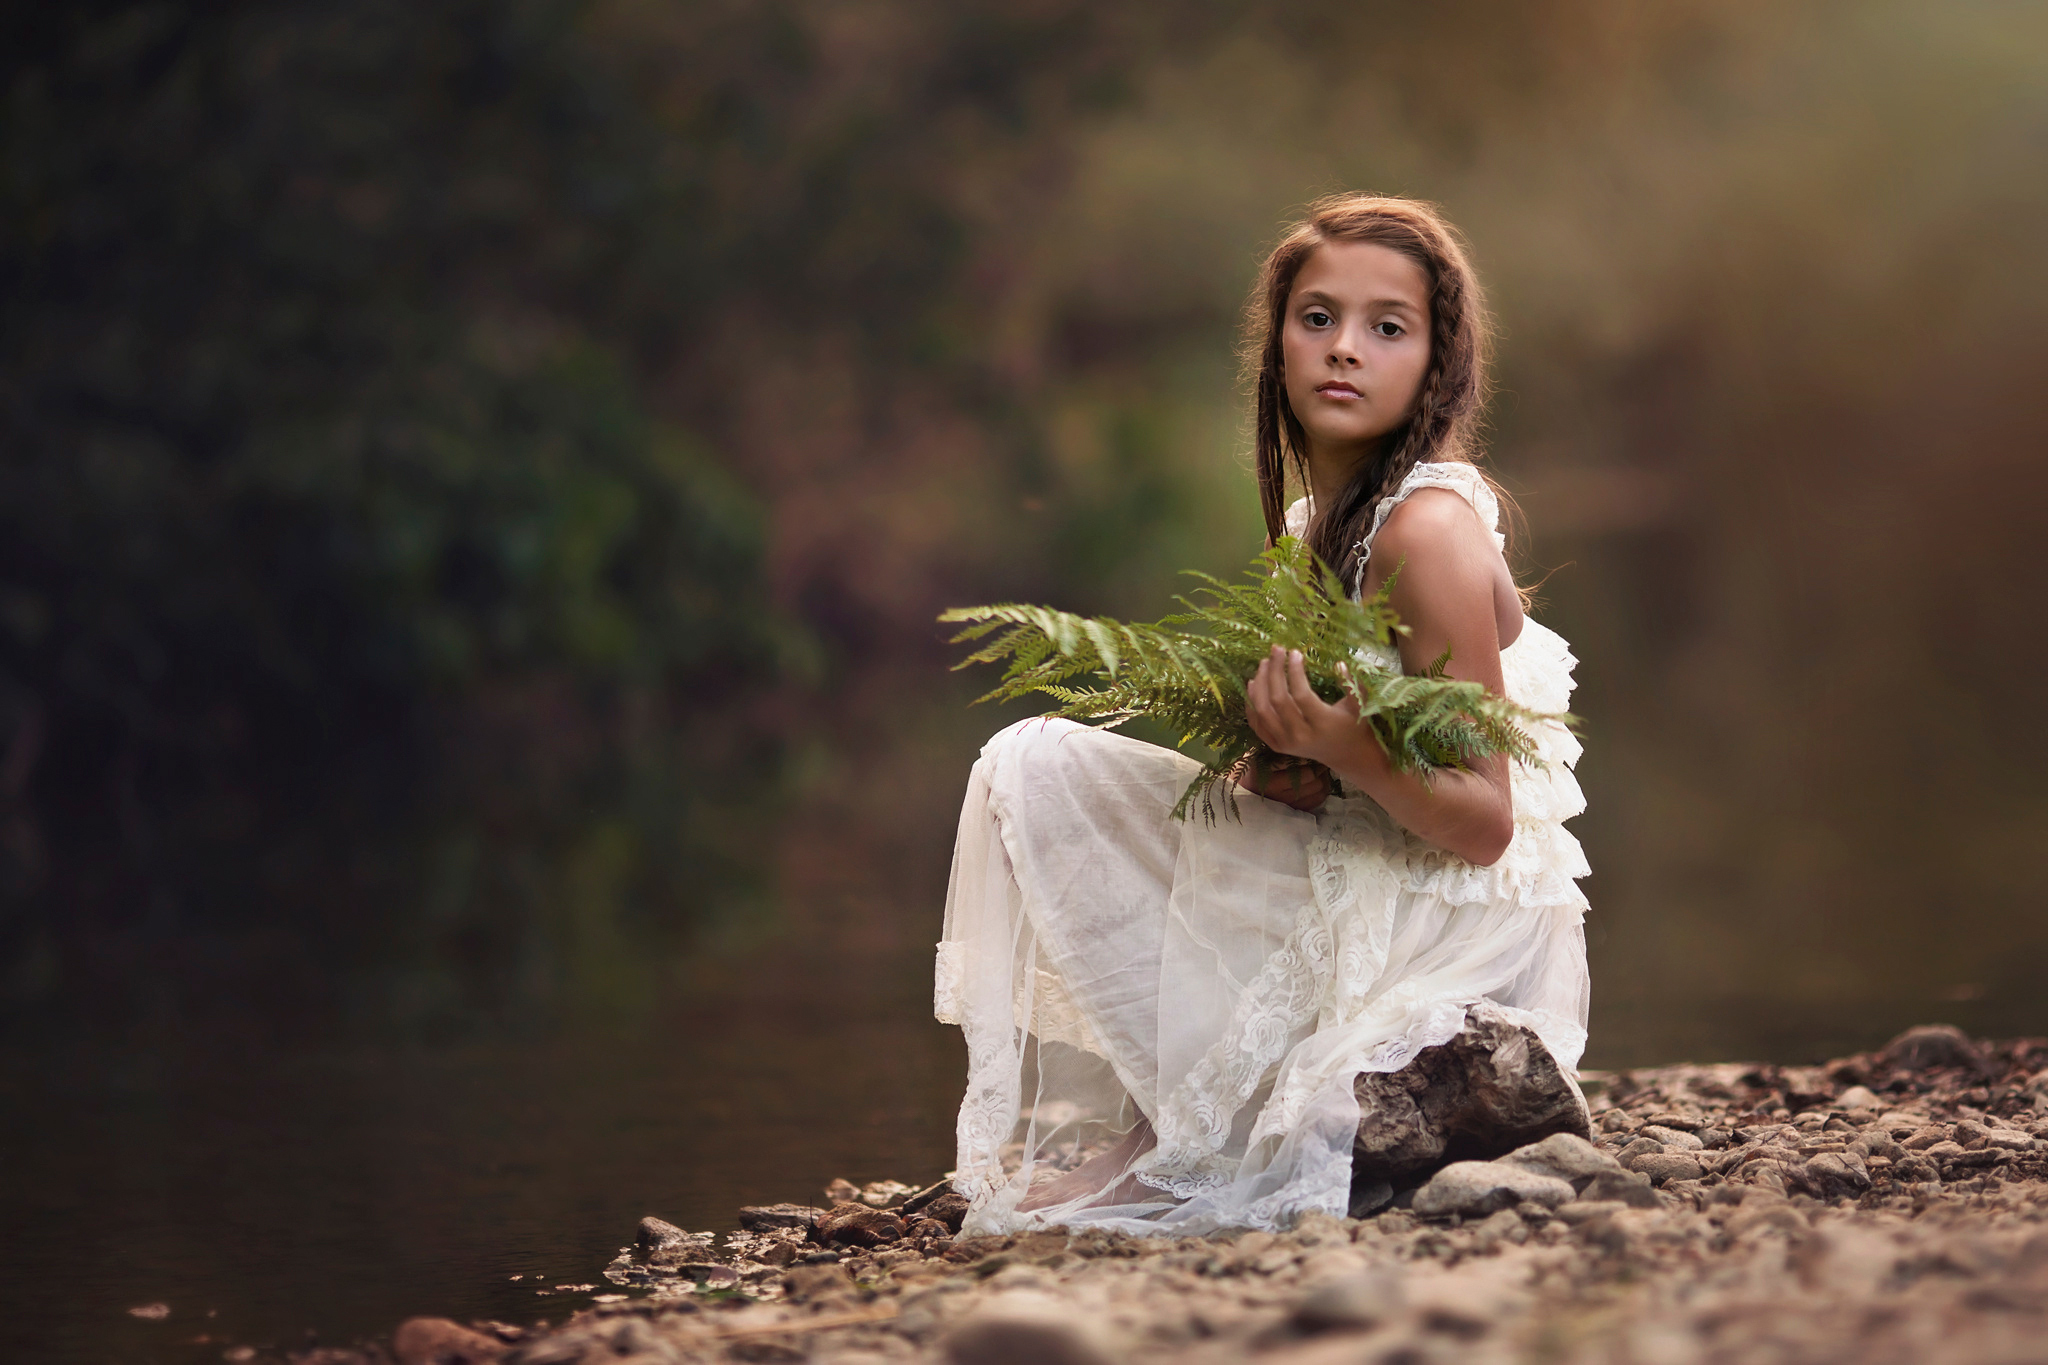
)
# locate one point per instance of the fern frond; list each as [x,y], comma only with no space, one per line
[1188,670]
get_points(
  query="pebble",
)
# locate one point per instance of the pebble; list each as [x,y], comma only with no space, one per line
[1355,1303]
[1667,1166]
[1027,1331]
[437,1341]
[767,1217]
[1641,1147]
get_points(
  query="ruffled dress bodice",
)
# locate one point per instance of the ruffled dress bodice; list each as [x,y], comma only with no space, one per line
[1544,861]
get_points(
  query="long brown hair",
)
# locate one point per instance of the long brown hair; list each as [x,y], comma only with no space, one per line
[1444,425]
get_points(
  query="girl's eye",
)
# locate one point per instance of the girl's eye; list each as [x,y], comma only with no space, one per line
[1387,329]
[1316,317]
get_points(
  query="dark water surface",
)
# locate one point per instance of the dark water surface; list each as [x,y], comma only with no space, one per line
[318,1195]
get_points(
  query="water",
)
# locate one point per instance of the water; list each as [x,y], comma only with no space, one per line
[318,1195]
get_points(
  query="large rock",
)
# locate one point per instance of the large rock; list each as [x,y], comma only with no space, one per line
[1929,1046]
[1489,1090]
[1477,1188]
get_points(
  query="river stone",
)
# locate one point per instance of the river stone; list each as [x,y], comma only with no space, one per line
[655,1234]
[1564,1156]
[1026,1330]
[1474,1188]
[1642,1146]
[1931,1045]
[1831,1175]
[1354,1303]
[437,1341]
[1674,1139]
[805,1283]
[1625,1187]
[1368,1195]
[1489,1090]
[886,1194]
[949,1209]
[1666,1166]
[917,1202]
[857,1225]
[769,1217]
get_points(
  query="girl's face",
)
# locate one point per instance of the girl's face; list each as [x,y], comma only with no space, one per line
[1355,346]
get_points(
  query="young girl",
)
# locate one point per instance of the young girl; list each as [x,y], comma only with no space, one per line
[1176,1026]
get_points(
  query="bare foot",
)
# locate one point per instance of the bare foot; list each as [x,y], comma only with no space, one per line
[1092,1175]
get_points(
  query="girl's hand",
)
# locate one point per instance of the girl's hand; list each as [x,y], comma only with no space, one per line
[1290,718]
[1303,786]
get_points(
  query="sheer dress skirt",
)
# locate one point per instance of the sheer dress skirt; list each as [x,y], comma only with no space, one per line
[1188,1002]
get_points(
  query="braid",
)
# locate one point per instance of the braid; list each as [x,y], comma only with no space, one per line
[1423,436]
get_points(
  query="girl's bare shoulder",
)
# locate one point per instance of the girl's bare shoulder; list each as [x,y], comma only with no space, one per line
[1435,523]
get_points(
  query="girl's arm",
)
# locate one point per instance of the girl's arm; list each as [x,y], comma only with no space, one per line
[1450,570]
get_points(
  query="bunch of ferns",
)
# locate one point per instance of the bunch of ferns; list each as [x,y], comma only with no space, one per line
[1189,670]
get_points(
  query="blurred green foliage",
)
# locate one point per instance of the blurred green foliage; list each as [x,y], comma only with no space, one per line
[478,478]
[369,527]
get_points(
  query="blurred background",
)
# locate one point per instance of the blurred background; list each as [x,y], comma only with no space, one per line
[477,763]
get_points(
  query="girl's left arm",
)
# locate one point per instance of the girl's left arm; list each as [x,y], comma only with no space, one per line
[1450,569]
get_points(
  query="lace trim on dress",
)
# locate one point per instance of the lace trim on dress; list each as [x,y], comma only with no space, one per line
[1194,1123]
[1463,479]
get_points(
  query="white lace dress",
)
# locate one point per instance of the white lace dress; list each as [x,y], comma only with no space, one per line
[1228,981]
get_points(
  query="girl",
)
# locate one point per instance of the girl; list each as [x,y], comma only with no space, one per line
[1176,1026]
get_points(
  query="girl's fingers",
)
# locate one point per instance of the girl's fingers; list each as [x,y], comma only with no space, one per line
[1284,703]
[1298,690]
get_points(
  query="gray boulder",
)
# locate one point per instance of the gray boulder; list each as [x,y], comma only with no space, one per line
[1476,1188]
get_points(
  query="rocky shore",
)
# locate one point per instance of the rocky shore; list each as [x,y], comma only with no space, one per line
[1887,1207]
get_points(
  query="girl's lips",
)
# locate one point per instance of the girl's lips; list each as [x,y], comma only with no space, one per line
[1338,391]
